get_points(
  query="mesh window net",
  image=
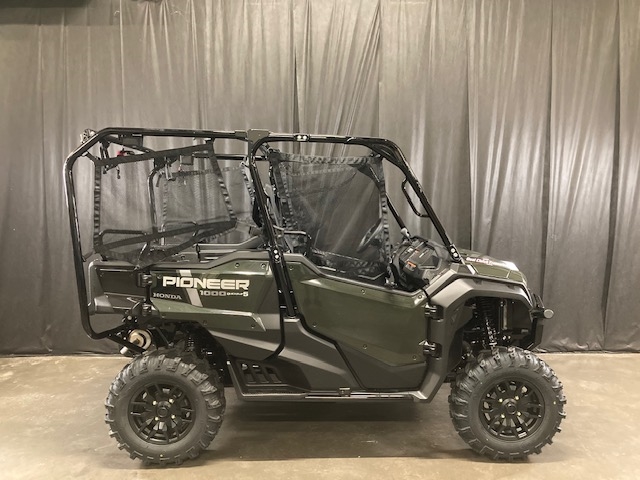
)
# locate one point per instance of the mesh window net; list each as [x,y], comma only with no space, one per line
[149,210]
[340,203]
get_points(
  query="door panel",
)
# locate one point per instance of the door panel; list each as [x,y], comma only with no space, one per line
[375,323]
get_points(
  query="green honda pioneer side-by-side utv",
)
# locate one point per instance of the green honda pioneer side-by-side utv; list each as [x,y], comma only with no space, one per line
[293,277]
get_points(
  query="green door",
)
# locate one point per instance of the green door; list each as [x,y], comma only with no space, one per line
[377,329]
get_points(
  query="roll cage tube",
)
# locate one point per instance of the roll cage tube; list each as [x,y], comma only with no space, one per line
[283,281]
[114,135]
[383,147]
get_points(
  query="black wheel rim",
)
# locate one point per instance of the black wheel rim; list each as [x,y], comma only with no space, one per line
[512,409]
[161,413]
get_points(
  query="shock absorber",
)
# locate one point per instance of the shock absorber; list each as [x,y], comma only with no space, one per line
[484,307]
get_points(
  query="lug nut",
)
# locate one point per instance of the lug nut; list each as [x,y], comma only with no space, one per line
[155,403]
[157,418]
[171,400]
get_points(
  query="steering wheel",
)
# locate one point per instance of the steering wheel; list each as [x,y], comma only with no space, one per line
[369,236]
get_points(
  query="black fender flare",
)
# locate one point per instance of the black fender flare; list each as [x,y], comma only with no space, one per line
[450,317]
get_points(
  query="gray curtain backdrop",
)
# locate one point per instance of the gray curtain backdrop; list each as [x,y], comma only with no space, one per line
[521,118]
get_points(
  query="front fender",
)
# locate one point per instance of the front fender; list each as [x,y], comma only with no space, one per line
[453,314]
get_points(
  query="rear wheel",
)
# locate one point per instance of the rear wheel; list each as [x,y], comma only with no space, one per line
[164,408]
[508,404]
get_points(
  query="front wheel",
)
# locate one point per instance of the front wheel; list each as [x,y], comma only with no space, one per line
[508,404]
[165,408]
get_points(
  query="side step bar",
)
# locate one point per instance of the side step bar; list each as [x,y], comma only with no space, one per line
[344,394]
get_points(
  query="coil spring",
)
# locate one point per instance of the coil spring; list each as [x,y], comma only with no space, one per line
[484,307]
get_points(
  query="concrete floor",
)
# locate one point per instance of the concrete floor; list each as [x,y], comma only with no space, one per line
[51,426]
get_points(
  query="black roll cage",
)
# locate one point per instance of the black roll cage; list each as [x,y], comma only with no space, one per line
[257,141]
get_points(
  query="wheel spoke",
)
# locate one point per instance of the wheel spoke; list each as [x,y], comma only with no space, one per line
[505,387]
[531,415]
[144,425]
[491,400]
[523,390]
[523,425]
[528,396]
[489,408]
[494,417]
[527,407]
[172,395]
[150,394]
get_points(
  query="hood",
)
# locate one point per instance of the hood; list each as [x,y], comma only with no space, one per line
[492,267]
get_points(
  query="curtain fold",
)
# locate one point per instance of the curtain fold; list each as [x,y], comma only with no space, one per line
[521,118]
[509,88]
[156,64]
[622,328]
[423,104]
[582,135]
[337,61]
[25,318]
[245,64]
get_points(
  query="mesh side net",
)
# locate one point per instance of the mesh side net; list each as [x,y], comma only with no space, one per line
[337,202]
[148,211]
[195,200]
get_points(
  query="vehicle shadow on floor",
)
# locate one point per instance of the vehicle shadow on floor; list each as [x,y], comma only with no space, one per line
[277,431]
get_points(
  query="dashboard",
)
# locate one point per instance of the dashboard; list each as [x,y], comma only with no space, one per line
[418,261]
